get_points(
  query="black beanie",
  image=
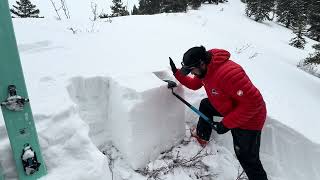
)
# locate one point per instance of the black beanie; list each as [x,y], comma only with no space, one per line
[193,58]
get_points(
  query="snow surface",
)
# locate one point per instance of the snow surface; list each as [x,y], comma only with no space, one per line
[73,78]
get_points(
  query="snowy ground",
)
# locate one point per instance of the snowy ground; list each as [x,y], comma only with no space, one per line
[74,80]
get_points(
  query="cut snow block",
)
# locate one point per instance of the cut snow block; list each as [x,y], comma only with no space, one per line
[145,118]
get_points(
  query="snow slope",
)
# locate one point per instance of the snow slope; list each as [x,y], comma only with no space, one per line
[73,134]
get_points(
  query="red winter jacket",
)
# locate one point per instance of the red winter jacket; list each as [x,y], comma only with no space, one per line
[230,91]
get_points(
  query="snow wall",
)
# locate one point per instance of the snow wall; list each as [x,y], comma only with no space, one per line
[284,152]
[137,114]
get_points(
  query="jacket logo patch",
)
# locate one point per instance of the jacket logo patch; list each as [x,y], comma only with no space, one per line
[214,92]
[239,92]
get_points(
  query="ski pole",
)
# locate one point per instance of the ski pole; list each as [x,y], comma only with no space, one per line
[171,85]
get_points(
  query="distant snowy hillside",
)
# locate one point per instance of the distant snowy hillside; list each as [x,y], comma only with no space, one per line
[96,99]
[78,9]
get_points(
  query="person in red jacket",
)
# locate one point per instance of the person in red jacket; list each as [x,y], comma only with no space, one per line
[231,95]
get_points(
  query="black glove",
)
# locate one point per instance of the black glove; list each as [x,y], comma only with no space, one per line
[173,66]
[220,128]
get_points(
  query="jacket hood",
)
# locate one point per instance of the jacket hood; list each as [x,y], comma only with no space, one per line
[219,56]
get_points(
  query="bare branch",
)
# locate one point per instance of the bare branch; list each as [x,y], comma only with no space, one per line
[56,9]
[175,161]
[111,161]
[243,48]
[94,11]
[74,31]
[65,9]
[254,55]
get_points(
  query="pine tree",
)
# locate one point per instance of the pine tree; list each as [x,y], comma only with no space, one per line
[316,47]
[314,19]
[149,6]
[173,6]
[260,9]
[314,58]
[135,10]
[299,29]
[25,9]
[210,1]
[195,4]
[299,23]
[286,11]
[298,41]
[142,6]
[118,9]
[214,1]
[251,7]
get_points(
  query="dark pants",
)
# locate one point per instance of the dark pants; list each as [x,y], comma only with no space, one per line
[246,143]
[203,128]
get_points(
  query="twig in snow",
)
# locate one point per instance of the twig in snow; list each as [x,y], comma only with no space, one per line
[74,31]
[242,175]
[243,48]
[111,161]
[254,55]
[195,162]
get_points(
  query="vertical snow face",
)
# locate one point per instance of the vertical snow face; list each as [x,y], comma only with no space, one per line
[285,153]
[138,114]
[145,118]
[92,98]
[289,154]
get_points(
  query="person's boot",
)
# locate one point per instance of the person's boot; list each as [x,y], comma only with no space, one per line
[202,142]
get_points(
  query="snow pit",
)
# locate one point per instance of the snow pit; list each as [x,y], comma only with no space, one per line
[138,114]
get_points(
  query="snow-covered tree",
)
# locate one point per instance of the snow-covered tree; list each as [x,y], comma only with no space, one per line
[314,20]
[173,5]
[210,1]
[222,1]
[25,9]
[118,9]
[149,6]
[286,11]
[135,10]
[195,4]
[259,9]
[299,23]
[214,1]
[314,58]
[298,41]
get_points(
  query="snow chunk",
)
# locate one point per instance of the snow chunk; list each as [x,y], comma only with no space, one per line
[145,118]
